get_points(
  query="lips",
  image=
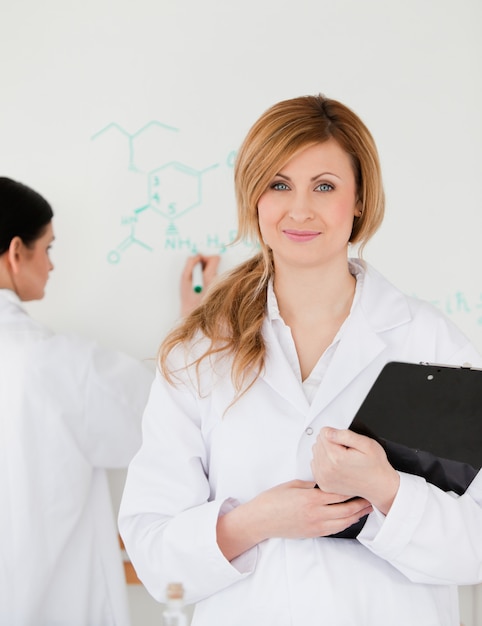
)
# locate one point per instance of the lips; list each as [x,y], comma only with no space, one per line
[301,235]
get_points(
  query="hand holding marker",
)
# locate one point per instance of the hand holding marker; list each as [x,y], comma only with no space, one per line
[197,275]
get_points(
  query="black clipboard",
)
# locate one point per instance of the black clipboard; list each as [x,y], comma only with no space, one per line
[428,418]
[427,407]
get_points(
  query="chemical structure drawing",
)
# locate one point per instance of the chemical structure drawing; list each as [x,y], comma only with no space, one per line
[172,189]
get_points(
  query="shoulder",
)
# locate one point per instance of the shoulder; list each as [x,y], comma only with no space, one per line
[386,309]
[196,365]
[382,300]
[19,331]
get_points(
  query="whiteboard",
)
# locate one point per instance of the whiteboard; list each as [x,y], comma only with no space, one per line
[127,117]
[104,104]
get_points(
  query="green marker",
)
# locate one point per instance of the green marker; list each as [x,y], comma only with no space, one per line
[197,278]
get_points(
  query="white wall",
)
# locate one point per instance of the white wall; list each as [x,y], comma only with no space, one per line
[99,97]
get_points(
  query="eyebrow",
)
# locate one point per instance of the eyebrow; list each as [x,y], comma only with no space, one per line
[312,179]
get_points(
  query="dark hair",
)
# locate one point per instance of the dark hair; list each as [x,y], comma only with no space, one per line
[24,213]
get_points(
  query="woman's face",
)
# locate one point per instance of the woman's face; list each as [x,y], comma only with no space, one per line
[34,267]
[306,214]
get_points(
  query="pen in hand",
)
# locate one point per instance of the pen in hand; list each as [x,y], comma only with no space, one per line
[198,273]
[197,278]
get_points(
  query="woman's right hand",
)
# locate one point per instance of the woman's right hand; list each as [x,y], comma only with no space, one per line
[292,510]
[189,298]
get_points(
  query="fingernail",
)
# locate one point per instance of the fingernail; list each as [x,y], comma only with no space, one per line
[330,433]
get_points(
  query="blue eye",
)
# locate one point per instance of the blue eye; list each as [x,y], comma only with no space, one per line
[279,186]
[325,187]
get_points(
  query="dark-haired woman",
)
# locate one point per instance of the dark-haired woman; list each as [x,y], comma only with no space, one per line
[68,411]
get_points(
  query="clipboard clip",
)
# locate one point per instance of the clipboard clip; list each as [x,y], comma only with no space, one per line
[464,366]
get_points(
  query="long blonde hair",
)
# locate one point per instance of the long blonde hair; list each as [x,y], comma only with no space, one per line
[233,311]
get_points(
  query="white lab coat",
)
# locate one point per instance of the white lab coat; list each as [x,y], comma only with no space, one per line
[195,463]
[68,409]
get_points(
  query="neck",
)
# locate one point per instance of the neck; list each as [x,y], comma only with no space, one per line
[323,293]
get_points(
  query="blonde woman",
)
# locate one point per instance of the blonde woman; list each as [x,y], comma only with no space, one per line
[254,395]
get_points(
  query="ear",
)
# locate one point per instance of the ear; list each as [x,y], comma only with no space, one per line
[14,254]
[358,208]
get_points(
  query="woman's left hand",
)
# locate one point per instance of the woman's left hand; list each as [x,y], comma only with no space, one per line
[348,463]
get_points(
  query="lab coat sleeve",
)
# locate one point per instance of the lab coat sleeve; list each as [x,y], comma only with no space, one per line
[167,519]
[116,391]
[430,536]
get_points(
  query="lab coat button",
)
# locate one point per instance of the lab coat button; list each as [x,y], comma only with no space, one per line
[309,430]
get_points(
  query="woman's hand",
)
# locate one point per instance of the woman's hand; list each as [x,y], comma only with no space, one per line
[354,465]
[189,298]
[291,510]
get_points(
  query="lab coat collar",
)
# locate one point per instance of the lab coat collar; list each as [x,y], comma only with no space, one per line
[384,306]
[272,308]
[380,307]
[12,298]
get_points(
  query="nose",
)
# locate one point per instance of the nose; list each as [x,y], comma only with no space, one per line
[301,209]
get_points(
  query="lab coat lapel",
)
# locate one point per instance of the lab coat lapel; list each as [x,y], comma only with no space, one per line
[381,307]
[358,347]
[278,373]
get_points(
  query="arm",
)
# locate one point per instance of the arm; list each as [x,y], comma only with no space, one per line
[431,536]
[291,510]
[117,386]
[169,493]
[108,390]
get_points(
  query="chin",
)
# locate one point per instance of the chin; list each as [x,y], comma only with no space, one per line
[32,297]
